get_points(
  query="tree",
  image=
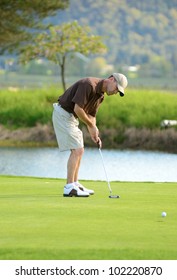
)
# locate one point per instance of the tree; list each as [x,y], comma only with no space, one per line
[20,18]
[61,41]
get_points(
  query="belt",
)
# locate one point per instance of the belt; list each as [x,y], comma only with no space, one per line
[68,111]
[63,108]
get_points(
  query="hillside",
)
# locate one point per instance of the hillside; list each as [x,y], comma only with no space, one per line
[135,32]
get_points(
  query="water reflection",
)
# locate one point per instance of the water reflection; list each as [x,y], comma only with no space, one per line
[120,165]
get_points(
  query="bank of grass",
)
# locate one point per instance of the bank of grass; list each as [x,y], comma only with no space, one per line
[37,222]
[26,108]
[131,122]
[139,108]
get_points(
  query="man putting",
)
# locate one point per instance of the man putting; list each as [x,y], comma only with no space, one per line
[81,102]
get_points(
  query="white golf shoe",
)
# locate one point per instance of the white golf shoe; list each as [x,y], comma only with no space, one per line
[82,188]
[74,191]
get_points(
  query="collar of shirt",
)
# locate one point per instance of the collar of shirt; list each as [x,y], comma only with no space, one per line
[99,87]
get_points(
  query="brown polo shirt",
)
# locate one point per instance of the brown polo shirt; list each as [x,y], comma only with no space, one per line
[87,93]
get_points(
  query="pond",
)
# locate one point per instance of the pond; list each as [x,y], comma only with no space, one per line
[121,165]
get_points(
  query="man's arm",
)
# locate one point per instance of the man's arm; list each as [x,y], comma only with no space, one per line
[90,121]
[93,119]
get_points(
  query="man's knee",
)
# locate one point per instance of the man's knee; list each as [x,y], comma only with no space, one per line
[78,152]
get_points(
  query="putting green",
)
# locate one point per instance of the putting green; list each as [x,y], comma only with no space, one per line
[37,222]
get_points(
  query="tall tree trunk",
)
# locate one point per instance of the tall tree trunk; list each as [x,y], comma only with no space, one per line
[63,73]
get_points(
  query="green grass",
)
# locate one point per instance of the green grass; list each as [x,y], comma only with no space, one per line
[139,108]
[37,222]
[26,108]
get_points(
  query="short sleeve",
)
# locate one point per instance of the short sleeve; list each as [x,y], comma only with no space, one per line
[82,94]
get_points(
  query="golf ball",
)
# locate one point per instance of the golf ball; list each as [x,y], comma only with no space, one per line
[163,214]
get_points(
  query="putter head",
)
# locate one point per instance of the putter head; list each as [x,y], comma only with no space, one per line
[114,196]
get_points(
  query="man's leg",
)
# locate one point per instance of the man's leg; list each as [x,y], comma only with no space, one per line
[74,164]
[73,169]
[71,189]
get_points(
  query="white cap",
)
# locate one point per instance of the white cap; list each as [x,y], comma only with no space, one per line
[121,81]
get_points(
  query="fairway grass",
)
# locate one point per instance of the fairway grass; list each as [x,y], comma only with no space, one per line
[38,223]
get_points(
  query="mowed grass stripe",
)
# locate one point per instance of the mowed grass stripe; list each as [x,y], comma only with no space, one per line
[37,222]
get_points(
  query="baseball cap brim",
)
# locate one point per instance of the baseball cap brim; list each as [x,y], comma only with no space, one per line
[121,89]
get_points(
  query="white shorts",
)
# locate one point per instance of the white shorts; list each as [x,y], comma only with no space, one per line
[68,134]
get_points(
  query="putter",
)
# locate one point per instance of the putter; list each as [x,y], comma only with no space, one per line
[110,196]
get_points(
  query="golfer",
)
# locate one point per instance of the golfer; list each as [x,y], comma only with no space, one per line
[81,102]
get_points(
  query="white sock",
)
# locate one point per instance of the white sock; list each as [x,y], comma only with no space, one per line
[76,183]
[70,185]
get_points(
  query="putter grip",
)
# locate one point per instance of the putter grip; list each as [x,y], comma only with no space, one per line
[98,145]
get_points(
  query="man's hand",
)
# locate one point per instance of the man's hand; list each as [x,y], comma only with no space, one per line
[94,132]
